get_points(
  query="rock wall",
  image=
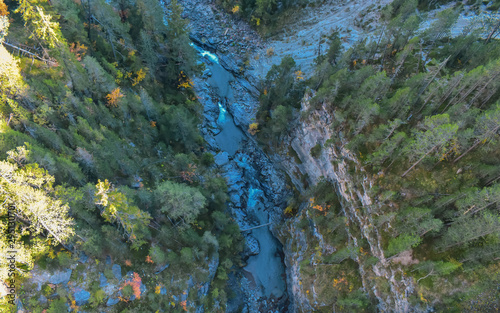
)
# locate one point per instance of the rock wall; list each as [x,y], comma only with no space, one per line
[339,166]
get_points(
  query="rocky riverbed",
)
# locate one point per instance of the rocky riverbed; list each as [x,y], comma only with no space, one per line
[257,190]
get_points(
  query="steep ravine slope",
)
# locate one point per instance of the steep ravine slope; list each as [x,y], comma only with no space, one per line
[339,166]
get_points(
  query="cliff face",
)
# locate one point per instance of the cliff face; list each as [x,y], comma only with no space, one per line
[339,166]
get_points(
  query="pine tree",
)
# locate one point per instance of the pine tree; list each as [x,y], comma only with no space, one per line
[180,202]
[437,136]
[32,210]
[41,23]
[116,208]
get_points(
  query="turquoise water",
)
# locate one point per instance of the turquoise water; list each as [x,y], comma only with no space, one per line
[265,270]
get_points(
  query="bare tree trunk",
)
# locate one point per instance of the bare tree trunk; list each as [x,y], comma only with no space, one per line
[449,93]
[416,163]
[492,32]
[55,236]
[475,145]
[492,181]
[378,42]
[487,99]
[109,36]
[484,87]
[27,52]
[10,118]
[473,238]
[247,229]
[405,55]
[419,57]
[430,273]
[430,81]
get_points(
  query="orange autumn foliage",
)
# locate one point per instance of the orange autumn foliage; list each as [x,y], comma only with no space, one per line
[114,97]
[337,282]
[74,306]
[149,260]
[3,9]
[189,174]
[322,208]
[136,285]
[183,305]
[78,50]
[299,75]
[253,128]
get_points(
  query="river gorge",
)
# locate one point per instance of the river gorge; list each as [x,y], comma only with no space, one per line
[257,191]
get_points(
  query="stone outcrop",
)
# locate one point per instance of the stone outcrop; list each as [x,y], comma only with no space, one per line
[339,166]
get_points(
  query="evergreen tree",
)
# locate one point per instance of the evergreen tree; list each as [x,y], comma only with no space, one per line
[180,202]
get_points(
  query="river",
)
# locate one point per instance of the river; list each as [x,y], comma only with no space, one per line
[260,286]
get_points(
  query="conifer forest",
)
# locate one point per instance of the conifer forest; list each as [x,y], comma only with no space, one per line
[249,156]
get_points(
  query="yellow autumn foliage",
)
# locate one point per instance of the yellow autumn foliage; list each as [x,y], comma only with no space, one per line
[253,128]
[140,75]
[11,81]
[114,97]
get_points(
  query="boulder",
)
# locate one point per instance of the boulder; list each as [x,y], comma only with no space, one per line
[221,158]
[234,178]
[81,297]
[252,246]
[229,64]
[215,131]
[83,257]
[60,277]
[211,143]
[103,281]
[162,268]
[207,73]
[235,198]
[112,301]
[117,271]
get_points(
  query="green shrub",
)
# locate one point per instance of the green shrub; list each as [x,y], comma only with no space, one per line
[157,255]
[58,306]
[98,297]
[401,243]
[316,151]
[207,159]
[108,273]
[64,258]
[46,290]
[355,301]
[186,255]
[127,291]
